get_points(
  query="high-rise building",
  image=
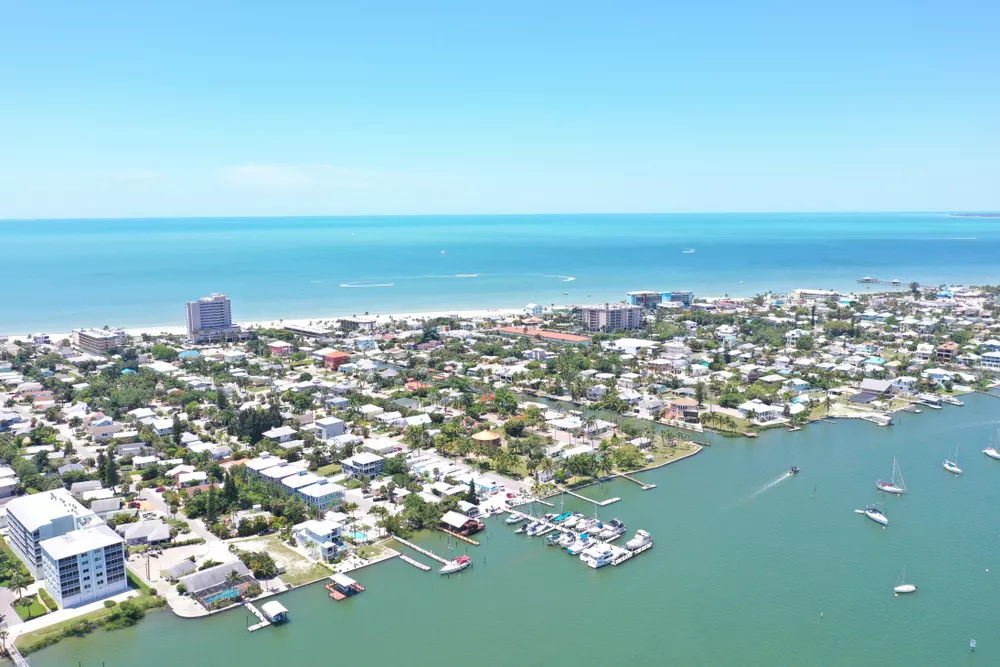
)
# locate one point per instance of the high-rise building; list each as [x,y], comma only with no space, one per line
[39,517]
[210,319]
[644,298]
[84,566]
[98,341]
[610,317]
[683,298]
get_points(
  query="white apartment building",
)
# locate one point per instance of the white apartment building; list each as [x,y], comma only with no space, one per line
[97,341]
[33,519]
[610,316]
[84,566]
[210,318]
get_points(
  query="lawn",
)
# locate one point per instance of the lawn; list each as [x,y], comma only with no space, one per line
[329,470]
[29,607]
[371,552]
[298,569]
[665,454]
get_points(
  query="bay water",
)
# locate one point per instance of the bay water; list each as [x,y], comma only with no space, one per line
[747,570]
[62,274]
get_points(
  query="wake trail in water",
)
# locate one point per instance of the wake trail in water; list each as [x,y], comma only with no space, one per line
[770,485]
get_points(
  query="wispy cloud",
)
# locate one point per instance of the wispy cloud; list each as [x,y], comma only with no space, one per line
[297,177]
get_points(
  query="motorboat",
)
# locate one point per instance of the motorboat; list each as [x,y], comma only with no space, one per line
[535,528]
[582,542]
[612,530]
[573,520]
[566,539]
[456,565]
[951,467]
[600,555]
[688,251]
[550,516]
[897,485]
[875,514]
[515,518]
[552,540]
[562,517]
[641,539]
[586,524]
[521,529]
[793,470]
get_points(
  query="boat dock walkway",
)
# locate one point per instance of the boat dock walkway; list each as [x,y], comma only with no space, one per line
[256,612]
[642,485]
[464,538]
[599,503]
[429,554]
[415,563]
[15,656]
[631,554]
[550,526]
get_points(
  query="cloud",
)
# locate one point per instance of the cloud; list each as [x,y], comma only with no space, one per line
[297,177]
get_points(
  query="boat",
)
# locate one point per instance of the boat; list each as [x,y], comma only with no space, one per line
[951,400]
[793,470]
[535,528]
[566,540]
[586,524]
[876,515]
[562,517]
[612,530]
[515,518]
[600,555]
[897,485]
[991,451]
[902,587]
[641,539]
[521,529]
[688,251]
[582,542]
[573,520]
[456,565]
[552,540]
[951,465]
[550,516]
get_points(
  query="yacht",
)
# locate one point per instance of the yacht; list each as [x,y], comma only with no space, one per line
[586,524]
[582,542]
[897,485]
[536,528]
[562,517]
[552,540]
[573,520]
[456,565]
[612,530]
[515,518]
[901,586]
[991,451]
[641,539]
[566,540]
[600,555]
[951,467]
[875,514]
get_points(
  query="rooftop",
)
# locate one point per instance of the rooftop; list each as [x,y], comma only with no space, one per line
[80,541]
[41,508]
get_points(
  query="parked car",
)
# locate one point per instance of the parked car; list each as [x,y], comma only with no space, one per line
[161,489]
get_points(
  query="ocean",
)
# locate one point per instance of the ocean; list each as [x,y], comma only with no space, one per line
[62,274]
[749,568]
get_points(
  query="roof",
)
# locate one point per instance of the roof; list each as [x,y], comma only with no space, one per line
[80,541]
[486,436]
[213,576]
[36,510]
[455,519]
[320,489]
[875,386]
[545,335]
[863,397]
[180,569]
[273,608]
[153,531]
[362,459]
[342,580]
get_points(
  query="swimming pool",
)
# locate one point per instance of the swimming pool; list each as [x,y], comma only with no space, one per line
[222,595]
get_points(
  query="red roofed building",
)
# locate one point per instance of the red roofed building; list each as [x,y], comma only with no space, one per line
[335,359]
[555,336]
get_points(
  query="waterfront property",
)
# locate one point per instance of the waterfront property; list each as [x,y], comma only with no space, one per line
[211,319]
[84,565]
[34,519]
[322,539]
[217,583]
[609,317]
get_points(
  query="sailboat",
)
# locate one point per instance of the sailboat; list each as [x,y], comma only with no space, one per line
[901,586]
[991,451]
[951,465]
[875,514]
[897,485]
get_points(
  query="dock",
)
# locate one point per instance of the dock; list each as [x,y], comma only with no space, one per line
[601,503]
[257,612]
[631,554]
[464,538]
[415,563]
[429,554]
[642,485]
[550,526]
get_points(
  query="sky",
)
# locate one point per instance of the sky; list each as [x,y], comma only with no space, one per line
[126,109]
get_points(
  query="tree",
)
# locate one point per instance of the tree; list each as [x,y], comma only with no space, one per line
[110,476]
[19,581]
[176,431]
[915,288]
[470,495]
[505,402]
[211,507]
[163,353]
[699,393]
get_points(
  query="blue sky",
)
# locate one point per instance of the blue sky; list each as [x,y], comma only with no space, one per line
[126,109]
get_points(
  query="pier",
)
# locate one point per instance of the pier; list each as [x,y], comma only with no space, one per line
[429,554]
[631,554]
[642,485]
[464,538]
[868,280]
[601,503]
[415,563]
[15,656]
[257,612]
[550,526]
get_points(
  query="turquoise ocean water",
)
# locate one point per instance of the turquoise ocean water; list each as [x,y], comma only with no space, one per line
[61,274]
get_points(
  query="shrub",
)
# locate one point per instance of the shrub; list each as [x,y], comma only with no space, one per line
[110,603]
[252,591]
[182,589]
[47,599]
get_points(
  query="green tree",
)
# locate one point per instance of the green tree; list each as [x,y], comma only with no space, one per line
[505,402]
[110,477]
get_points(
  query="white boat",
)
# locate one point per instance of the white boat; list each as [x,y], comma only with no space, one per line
[566,540]
[902,587]
[641,539]
[688,251]
[875,514]
[536,528]
[951,464]
[515,518]
[456,565]
[582,542]
[991,451]
[612,530]
[897,485]
[573,520]
[600,555]
[586,524]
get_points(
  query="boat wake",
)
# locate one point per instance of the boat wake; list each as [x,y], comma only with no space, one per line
[367,285]
[773,483]
[565,279]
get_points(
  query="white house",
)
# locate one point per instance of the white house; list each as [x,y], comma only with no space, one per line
[84,565]
[363,464]
[328,428]
[320,538]
[281,433]
[758,412]
[990,361]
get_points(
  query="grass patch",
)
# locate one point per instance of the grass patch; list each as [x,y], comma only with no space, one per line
[298,569]
[10,562]
[370,552]
[47,599]
[137,583]
[329,470]
[665,454]
[29,607]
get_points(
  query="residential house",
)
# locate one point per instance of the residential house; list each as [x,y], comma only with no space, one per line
[364,464]
[330,427]
[321,539]
[946,352]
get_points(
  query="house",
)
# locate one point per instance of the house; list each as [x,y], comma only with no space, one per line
[596,392]
[904,385]
[382,446]
[946,352]
[162,427]
[144,532]
[280,433]
[923,351]
[334,359]
[796,385]
[461,524]
[990,361]
[140,462]
[364,464]
[330,427]
[195,478]
[77,489]
[682,409]
[877,387]
[759,413]
[217,578]
[321,539]
[280,348]
[322,495]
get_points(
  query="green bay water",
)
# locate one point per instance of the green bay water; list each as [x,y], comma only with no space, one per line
[745,571]
[62,274]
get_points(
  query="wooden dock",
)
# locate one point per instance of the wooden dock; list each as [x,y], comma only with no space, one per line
[600,503]
[257,612]
[642,485]
[415,563]
[631,554]
[550,526]
[464,538]
[418,549]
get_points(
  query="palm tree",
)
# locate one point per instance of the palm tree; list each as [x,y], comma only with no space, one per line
[232,578]
[18,581]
